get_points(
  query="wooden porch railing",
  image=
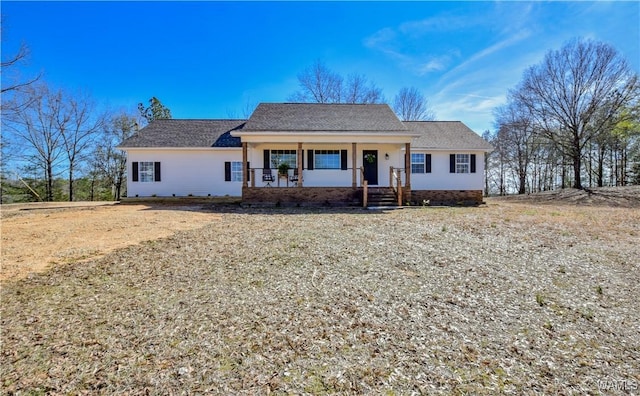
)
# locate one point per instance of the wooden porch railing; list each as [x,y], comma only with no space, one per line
[365,188]
[395,182]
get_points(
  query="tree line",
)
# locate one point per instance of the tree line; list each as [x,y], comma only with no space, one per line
[67,146]
[572,121]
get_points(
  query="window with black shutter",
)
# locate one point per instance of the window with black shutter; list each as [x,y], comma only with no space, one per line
[227,171]
[156,169]
[310,159]
[343,160]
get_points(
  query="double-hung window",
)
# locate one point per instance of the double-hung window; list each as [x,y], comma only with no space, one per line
[326,159]
[236,171]
[145,171]
[462,163]
[233,171]
[284,156]
[420,163]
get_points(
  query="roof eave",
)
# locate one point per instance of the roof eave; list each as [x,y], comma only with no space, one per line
[241,133]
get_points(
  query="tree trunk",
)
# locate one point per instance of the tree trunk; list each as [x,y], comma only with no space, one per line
[49,182]
[623,167]
[70,184]
[601,167]
[577,165]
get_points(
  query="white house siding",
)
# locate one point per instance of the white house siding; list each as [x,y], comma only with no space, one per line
[441,179]
[184,172]
[331,177]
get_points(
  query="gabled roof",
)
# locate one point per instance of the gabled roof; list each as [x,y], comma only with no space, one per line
[307,118]
[317,117]
[446,135]
[186,133]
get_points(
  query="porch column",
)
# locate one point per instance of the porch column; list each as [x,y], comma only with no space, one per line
[354,173]
[407,167]
[300,167]
[244,164]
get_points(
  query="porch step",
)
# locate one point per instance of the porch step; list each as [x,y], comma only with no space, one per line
[382,197]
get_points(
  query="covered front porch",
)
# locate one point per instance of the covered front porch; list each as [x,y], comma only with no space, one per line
[324,173]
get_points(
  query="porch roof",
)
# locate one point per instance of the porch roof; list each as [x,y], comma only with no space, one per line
[323,118]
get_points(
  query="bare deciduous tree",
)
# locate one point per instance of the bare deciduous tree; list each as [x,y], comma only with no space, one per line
[359,90]
[35,130]
[517,134]
[78,123]
[11,80]
[567,92]
[109,161]
[319,84]
[410,105]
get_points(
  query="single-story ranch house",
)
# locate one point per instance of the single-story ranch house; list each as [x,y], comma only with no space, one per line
[302,153]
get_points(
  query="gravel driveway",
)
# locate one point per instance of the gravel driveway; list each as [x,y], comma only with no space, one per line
[506,298]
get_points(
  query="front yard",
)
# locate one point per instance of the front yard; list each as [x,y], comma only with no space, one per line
[507,298]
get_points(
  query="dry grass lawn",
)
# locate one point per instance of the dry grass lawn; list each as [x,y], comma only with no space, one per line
[507,298]
[37,236]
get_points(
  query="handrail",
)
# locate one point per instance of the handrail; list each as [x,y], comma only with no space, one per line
[395,181]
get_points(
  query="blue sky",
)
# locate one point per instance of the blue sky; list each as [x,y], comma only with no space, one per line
[210,59]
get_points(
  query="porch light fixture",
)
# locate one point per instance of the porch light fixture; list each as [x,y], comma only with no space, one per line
[386,156]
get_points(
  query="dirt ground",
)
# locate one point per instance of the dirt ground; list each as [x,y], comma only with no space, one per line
[36,236]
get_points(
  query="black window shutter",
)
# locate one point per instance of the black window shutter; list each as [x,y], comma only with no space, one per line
[473,163]
[248,171]
[134,171]
[428,163]
[343,160]
[452,163]
[310,159]
[227,171]
[267,160]
[156,171]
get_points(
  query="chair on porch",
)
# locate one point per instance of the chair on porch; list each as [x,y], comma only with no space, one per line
[294,176]
[267,176]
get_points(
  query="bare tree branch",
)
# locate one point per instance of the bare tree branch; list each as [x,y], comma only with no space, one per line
[410,105]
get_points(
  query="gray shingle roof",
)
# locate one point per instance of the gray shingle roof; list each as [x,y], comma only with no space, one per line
[315,117]
[187,133]
[446,135]
[306,117]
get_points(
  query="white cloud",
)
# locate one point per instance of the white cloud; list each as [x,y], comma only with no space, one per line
[474,109]
[438,24]
[499,46]
[380,39]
